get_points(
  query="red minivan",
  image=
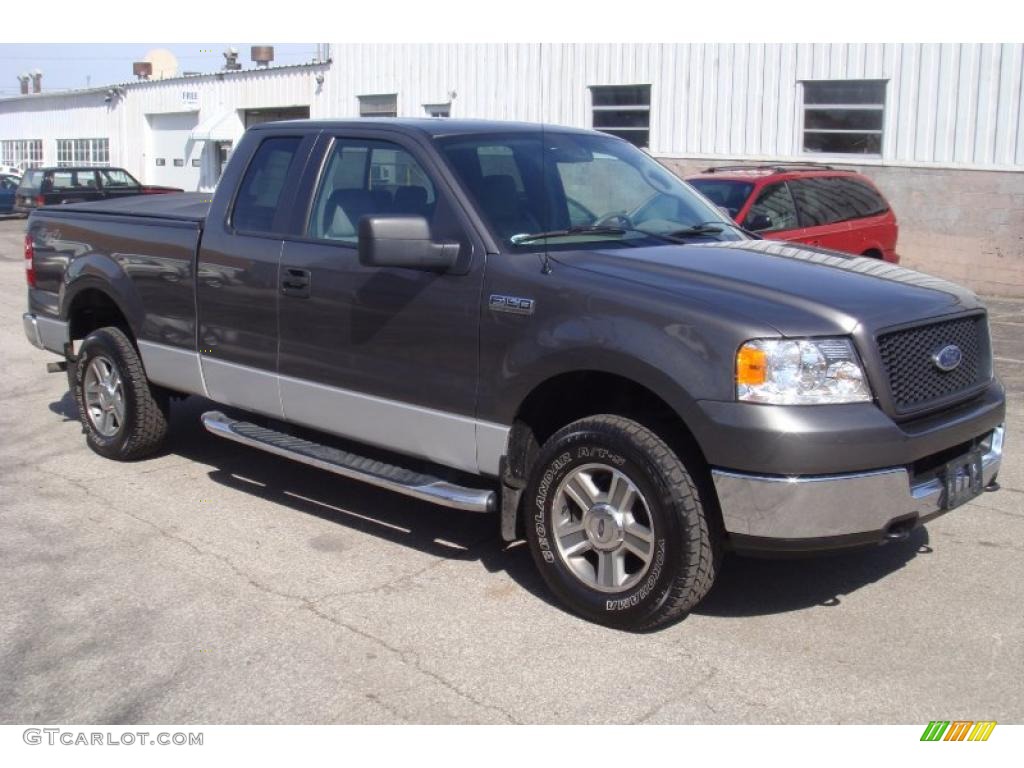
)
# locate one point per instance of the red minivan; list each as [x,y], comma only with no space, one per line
[817,205]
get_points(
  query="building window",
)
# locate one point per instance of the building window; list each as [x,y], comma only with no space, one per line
[83,152]
[438,110]
[22,153]
[381,105]
[844,117]
[623,111]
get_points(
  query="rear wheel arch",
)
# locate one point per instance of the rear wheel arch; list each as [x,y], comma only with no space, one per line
[91,307]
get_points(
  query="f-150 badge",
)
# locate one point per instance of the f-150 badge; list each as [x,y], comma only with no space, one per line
[514,304]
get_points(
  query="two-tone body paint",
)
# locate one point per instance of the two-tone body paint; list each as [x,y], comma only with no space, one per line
[422,363]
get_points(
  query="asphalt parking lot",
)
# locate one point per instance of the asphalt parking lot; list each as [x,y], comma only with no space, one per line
[218,584]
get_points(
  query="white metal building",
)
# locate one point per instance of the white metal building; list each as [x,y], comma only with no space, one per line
[939,127]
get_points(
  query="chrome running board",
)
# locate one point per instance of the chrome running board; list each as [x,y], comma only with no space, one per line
[389,476]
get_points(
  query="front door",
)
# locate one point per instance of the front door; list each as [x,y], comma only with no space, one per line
[386,356]
[824,214]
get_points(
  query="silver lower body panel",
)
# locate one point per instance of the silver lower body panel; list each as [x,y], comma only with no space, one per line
[829,506]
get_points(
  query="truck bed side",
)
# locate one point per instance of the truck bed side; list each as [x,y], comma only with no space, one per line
[128,262]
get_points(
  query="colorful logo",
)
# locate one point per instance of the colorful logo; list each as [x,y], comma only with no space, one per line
[958,730]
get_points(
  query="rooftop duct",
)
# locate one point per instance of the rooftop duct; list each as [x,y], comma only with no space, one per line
[262,55]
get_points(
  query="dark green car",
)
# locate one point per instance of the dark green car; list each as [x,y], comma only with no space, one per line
[57,186]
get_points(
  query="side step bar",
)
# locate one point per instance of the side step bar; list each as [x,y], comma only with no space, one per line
[389,476]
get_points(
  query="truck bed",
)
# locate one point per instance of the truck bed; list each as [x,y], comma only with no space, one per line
[179,206]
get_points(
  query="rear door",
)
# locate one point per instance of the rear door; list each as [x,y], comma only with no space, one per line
[386,356]
[825,214]
[237,281]
[874,228]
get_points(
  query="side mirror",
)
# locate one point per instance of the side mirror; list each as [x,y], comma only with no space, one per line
[758,222]
[403,241]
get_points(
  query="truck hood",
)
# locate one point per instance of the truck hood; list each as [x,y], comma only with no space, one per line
[799,291]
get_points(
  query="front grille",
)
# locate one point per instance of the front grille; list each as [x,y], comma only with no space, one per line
[915,381]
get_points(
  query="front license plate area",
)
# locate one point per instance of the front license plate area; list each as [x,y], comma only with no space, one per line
[963,480]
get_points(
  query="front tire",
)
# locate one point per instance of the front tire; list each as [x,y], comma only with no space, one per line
[123,417]
[617,527]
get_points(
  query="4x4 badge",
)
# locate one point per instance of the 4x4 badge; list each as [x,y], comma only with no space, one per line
[948,358]
[514,304]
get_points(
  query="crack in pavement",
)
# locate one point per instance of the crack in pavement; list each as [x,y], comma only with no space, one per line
[409,658]
[677,697]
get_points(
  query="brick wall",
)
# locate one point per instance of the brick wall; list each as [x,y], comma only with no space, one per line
[966,226]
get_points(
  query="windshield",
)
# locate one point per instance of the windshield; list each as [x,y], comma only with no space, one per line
[729,194]
[577,188]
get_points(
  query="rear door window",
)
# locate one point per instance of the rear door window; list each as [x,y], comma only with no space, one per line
[820,201]
[86,180]
[863,199]
[62,180]
[258,195]
[773,211]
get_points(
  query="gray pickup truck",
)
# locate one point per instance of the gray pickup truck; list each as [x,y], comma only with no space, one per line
[536,322]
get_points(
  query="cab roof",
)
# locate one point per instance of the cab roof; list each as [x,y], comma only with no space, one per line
[434,127]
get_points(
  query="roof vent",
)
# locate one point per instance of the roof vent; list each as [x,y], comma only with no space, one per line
[24,79]
[142,69]
[262,55]
[231,62]
[37,81]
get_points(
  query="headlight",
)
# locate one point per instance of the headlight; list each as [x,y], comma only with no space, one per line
[800,372]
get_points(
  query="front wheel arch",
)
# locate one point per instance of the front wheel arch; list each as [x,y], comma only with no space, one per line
[557,402]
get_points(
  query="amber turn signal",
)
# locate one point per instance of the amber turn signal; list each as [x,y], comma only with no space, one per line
[751,365]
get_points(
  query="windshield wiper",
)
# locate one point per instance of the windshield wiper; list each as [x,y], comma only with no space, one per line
[710,228]
[581,230]
[696,229]
[592,230]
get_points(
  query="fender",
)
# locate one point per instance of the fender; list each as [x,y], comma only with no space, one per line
[100,272]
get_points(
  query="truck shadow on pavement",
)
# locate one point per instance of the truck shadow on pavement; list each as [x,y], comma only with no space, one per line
[745,586]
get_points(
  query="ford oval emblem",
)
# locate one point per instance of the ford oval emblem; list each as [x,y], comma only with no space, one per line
[948,358]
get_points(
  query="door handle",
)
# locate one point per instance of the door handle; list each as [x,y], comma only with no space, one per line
[296,282]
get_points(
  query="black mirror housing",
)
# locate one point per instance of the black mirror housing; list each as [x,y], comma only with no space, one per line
[758,222]
[403,241]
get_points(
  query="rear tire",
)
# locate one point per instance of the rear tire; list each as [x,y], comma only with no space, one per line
[124,418]
[616,525]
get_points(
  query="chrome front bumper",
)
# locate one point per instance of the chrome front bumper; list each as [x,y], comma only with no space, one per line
[45,332]
[857,507]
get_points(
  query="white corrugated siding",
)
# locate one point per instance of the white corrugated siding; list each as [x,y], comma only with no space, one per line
[125,121]
[953,104]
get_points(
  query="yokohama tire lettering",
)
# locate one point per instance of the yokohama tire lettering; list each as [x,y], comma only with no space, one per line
[637,597]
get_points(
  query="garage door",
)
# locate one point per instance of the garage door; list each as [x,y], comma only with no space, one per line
[170,153]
